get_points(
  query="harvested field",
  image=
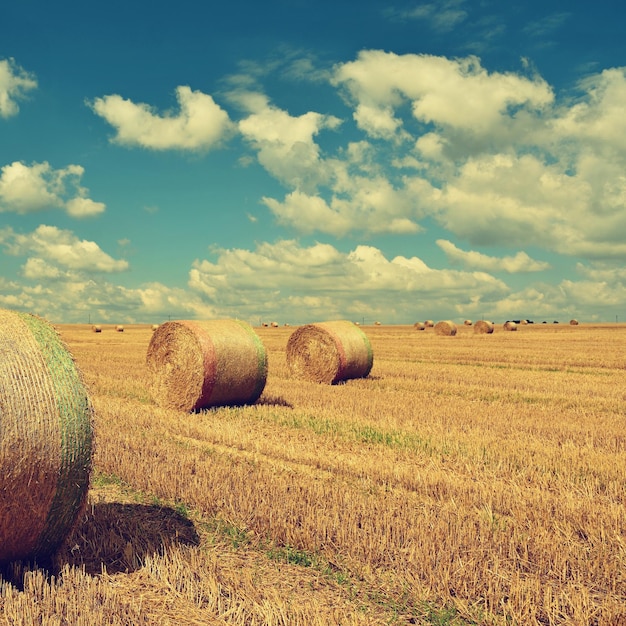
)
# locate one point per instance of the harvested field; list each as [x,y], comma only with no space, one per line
[474,481]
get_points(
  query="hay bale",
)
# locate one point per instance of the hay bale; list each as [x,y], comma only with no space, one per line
[154,327]
[573,322]
[274,324]
[429,323]
[45,439]
[483,327]
[419,326]
[445,328]
[329,352]
[119,328]
[376,323]
[96,328]
[467,323]
[509,325]
[196,365]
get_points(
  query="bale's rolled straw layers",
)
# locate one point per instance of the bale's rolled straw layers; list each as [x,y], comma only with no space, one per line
[445,328]
[196,365]
[329,352]
[45,439]
[483,327]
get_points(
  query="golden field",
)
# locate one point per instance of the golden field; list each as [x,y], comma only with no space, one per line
[474,479]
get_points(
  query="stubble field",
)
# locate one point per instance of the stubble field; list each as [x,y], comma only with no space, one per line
[475,479]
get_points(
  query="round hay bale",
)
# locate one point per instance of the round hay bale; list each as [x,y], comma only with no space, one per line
[45,439]
[96,328]
[119,328]
[376,323]
[419,326]
[483,327]
[467,323]
[524,322]
[573,322]
[154,326]
[445,328]
[329,352]
[196,365]
[510,325]
[274,324]
[429,323]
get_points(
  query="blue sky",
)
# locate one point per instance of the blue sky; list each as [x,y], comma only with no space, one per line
[296,161]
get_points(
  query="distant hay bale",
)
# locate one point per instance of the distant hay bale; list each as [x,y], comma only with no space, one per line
[483,327]
[119,328]
[96,328]
[429,323]
[573,322]
[329,352]
[376,323]
[524,322]
[265,324]
[467,323]
[445,328]
[274,324]
[419,326]
[510,325]
[154,326]
[196,365]
[45,439]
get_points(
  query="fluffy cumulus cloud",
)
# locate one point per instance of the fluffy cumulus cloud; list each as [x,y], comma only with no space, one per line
[520,263]
[199,124]
[37,187]
[15,82]
[52,251]
[317,281]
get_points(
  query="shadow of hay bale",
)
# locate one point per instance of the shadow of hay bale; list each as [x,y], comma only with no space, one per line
[118,537]
[114,537]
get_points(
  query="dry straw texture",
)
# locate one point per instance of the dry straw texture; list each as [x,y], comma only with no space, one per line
[510,325]
[445,328]
[195,365]
[419,326]
[329,352]
[45,438]
[483,327]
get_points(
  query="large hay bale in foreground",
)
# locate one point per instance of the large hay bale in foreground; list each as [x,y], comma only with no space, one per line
[445,328]
[329,352]
[45,439]
[483,327]
[196,365]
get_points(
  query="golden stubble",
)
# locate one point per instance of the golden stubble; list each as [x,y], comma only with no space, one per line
[484,472]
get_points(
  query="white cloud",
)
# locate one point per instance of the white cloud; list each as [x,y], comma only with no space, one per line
[278,279]
[14,83]
[436,87]
[284,143]
[519,263]
[53,247]
[200,124]
[27,189]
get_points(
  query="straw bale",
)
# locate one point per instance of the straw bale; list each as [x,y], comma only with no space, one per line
[510,325]
[154,326]
[483,327]
[419,326]
[573,322]
[467,322]
[45,439]
[329,352]
[119,328]
[274,324]
[445,328]
[96,328]
[198,364]
[429,323]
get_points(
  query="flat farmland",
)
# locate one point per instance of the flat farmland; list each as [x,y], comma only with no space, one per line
[473,479]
